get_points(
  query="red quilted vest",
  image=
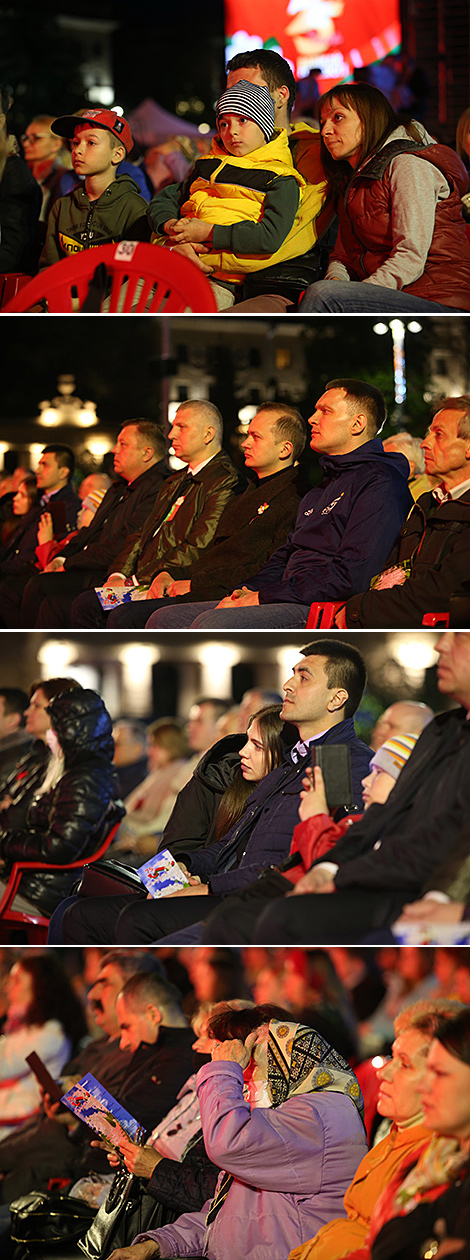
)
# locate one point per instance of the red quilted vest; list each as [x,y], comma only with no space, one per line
[364,212]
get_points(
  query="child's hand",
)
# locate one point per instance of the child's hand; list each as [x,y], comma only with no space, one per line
[45,528]
[54,566]
[190,252]
[192,230]
[312,796]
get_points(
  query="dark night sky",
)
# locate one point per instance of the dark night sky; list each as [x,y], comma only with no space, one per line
[116,360]
[158,51]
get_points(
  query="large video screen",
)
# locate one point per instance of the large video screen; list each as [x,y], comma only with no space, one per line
[337,36]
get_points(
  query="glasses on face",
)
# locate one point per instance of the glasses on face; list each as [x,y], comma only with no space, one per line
[32,136]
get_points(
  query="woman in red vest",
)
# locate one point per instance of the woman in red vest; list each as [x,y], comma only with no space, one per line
[402,244]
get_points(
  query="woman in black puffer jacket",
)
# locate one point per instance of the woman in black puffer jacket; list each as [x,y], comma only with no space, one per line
[77,799]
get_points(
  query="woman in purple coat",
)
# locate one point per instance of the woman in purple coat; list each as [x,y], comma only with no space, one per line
[282,1116]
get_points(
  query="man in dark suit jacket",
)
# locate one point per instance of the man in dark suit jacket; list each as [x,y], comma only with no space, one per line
[141,469]
[389,858]
[250,528]
[186,511]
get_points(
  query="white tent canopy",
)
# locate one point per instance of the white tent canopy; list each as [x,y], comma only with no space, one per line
[151,124]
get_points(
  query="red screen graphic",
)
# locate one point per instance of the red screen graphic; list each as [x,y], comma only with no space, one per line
[337,36]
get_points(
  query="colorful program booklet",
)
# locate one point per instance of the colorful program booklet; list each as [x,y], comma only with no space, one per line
[162,875]
[112,596]
[90,1102]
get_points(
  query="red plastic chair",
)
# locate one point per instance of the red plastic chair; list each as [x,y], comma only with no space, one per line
[142,277]
[10,284]
[436,619]
[34,923]
[322,615]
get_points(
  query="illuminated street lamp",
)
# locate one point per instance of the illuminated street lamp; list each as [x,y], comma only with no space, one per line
[66,408]
[397,329]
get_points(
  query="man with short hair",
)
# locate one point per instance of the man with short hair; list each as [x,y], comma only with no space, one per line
[152,1026]
[13,737]
[92,483]
[57,495]
[139,462]
[185,515]
[404,717]
[320,699]
[343,528]
[252,700]
[391,857]
[431,558]
[201,726]
[250,528]
[410,446]
[54,471]
[130,753]
[54,1144]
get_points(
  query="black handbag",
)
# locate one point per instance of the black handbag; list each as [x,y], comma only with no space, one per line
[47,1218]
[128,1211]
[107,878]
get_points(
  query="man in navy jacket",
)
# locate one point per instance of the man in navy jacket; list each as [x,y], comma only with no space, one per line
[345,527]
[320,699]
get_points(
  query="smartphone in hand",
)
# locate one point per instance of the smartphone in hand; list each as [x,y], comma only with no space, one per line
[334,761]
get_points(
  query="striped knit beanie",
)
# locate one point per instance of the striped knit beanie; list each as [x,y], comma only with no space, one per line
[250,100]
[93,499]
[393,754]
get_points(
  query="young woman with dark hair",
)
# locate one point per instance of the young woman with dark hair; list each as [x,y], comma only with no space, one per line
[401,244]
[261,753]
[207,808]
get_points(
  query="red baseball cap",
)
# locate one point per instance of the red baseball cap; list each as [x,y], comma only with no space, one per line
[105,118]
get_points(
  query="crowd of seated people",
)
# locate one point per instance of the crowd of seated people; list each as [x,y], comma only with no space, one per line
[266,242]
[249,821]
[266,1131]
[396,854]
[209,547]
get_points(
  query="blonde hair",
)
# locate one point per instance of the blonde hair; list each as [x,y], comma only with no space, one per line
[425,1016]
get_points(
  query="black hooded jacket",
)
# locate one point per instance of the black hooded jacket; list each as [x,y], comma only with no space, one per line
[193,819]
[66,823]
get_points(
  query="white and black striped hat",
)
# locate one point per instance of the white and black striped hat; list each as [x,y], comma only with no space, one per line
[252,101]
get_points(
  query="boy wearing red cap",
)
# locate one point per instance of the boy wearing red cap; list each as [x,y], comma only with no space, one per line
[106,207]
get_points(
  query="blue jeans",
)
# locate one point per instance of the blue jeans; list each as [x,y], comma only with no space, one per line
[358,296]
[209,617]
[168,614]
[134,616]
